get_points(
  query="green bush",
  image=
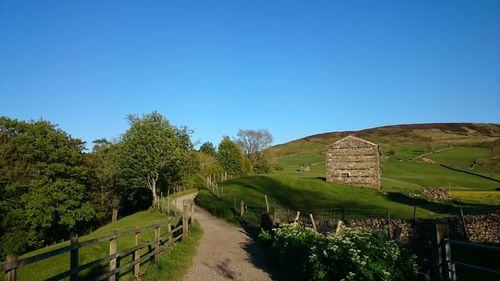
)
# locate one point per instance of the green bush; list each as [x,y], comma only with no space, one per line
[353,254]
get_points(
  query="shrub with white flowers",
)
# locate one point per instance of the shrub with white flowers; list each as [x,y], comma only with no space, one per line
[352,254]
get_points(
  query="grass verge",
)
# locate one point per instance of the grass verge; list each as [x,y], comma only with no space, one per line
[47,268]
[175,262]
[215,206]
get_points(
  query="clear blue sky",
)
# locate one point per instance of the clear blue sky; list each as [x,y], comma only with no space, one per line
[293,67]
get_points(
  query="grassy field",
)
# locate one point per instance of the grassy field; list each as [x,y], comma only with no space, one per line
[467,159]
[50,267]
[316,196]
[403,171]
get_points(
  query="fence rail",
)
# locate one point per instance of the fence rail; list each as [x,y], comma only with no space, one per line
[451,263]
[160,243]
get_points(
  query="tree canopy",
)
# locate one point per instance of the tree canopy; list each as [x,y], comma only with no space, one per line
[230,157]
[42,185]
[254,144]
[153,149]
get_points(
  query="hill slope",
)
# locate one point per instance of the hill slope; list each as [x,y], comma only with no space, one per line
[406,150]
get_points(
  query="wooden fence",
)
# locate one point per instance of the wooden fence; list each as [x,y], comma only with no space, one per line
[157,245]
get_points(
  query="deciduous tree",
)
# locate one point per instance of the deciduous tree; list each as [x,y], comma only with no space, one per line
[254,143]
[152,148]
[230,157]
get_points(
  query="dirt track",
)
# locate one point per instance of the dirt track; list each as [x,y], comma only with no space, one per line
[226,252]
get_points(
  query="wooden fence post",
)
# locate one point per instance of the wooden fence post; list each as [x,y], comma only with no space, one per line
[168,204]
[112,252]
[267,203]
[157,238]
[137,252]
[450,267]
[297,217]
[313,223]
[462,217]
[73,260]
[339,227]
[192,212]
[169,230]
[442,232]
[185,222]
[10,275]
[242,208]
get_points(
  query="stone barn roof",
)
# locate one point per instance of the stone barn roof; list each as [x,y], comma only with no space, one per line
[352,138]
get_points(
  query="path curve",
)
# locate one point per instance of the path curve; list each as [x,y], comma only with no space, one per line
[226,252]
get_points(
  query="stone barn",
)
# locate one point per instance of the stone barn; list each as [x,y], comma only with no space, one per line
[353,161]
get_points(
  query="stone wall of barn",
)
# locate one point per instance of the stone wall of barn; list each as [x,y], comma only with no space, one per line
[355,158]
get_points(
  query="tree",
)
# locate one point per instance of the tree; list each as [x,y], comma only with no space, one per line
[254,143]
[208,148]
[42,185]
[105,177]
[230,156]
[152,147]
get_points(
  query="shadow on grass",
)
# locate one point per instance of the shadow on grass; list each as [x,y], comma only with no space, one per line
[443,208]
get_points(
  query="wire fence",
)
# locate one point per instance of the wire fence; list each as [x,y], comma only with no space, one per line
[252,213]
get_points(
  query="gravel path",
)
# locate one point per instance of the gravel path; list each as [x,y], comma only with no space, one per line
[226,252]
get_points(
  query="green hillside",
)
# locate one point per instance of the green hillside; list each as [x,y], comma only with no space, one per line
[404,149]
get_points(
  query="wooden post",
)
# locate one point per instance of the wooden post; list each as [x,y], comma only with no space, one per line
[112,252]
[339,227]
[313,223]
[169,231]
[440,264]
[192,212]
[73,260]
[297,217]
[185,227]
[267,203]
[157,238]
[137,253]
[168,204]
[10,275]
[450,267]
[389,228]
[463,223]
[242,209]
[162,204]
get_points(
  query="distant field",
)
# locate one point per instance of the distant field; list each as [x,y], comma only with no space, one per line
[485,197]
[464,158]
[399,175]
